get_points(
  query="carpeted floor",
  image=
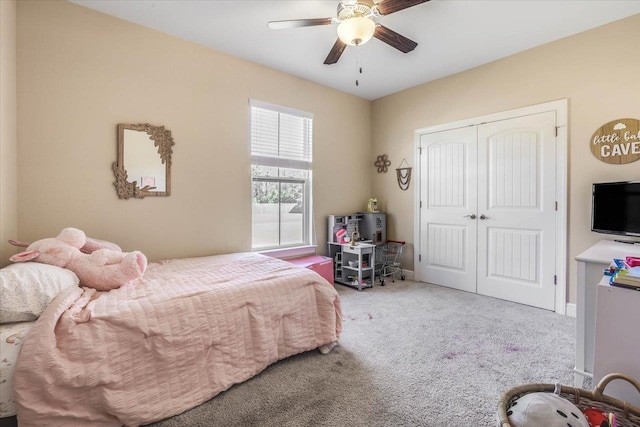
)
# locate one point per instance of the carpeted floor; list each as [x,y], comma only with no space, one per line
[411,354]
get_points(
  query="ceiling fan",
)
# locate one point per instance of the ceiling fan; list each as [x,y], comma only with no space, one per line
[357,25]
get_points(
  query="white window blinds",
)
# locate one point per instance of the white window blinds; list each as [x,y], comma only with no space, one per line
[280,136]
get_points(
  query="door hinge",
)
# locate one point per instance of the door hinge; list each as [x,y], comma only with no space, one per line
[556,205]
[556,131]
[421,203]
[555,279]
[420,258]
[420,149]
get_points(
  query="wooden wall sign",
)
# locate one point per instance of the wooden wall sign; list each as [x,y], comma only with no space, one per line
[617,142]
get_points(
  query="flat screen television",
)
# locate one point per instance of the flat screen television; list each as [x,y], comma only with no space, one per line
[616,208]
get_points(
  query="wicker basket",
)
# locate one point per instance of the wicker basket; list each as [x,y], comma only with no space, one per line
[627,415]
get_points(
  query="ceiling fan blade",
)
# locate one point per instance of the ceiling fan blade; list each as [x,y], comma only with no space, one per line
[297,23]
[335,53]
[394,39]
[386,7]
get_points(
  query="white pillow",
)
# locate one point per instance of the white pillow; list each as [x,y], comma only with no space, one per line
[26,289]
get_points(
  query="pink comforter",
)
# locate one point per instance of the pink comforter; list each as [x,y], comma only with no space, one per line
[188,330]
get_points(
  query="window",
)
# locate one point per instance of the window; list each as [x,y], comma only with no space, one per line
[281,162]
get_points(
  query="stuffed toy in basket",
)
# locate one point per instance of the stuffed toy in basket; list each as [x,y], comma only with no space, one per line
[549,405]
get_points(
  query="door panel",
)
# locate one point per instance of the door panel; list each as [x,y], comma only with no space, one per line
[448,193]
[513,174]
[513,254]
[516,195]
[447,246]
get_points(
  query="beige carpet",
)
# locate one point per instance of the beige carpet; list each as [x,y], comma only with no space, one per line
[411,354]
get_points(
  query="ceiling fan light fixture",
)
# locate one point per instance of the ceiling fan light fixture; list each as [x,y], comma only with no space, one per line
[356,31]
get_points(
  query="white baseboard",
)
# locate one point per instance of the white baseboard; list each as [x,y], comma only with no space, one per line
[570,309]
[408,274]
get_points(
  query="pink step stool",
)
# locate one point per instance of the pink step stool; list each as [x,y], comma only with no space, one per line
[320,264]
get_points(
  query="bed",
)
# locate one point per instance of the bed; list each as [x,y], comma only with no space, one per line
[25,292]
[186,331]
[11,337]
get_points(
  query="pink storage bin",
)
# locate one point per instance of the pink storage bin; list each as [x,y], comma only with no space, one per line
[320,264]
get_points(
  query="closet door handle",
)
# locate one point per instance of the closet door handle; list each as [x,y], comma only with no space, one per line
[472,216]
[483,217]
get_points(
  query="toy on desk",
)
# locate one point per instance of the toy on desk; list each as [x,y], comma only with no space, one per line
[340,235]
[624,275]
[617,265]
[633,261]
[620,263]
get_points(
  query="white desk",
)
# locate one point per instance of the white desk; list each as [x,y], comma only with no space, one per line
[363,255]
[590,265]
[617,342]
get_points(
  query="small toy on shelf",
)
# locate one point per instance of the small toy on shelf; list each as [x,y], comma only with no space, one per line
[372,206]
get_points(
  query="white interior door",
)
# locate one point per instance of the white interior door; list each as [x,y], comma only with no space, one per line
[516,209]
[448,193]
[487,217]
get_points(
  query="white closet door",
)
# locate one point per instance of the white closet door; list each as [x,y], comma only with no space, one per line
[516,198]
[448,193]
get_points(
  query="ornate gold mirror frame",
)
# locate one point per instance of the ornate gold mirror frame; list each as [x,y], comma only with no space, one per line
[158,179]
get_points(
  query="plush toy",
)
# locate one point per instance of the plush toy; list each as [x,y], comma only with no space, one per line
[103,269]
[90,246]
[545,409]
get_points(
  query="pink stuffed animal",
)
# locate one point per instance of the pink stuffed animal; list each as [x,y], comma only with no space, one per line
[103,269]
[90,246]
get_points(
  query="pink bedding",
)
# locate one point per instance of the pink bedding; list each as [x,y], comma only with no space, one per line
[188,330]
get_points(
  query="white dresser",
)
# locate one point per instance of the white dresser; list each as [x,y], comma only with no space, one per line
[591,263]
[617,342]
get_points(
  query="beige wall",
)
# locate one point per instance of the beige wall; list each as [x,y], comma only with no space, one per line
[598,71]
[8,131]
[83,72]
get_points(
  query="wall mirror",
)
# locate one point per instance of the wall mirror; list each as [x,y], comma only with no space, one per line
[144,161]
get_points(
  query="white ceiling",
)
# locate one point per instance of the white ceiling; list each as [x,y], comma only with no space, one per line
[452,35]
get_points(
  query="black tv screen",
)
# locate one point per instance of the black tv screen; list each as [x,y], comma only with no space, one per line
[616,208]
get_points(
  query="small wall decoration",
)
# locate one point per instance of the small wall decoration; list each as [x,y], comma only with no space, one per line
[144,151]
[404,175]
[617,142]
[382,163]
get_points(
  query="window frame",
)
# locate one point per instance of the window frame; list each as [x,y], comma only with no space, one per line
[307,245]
